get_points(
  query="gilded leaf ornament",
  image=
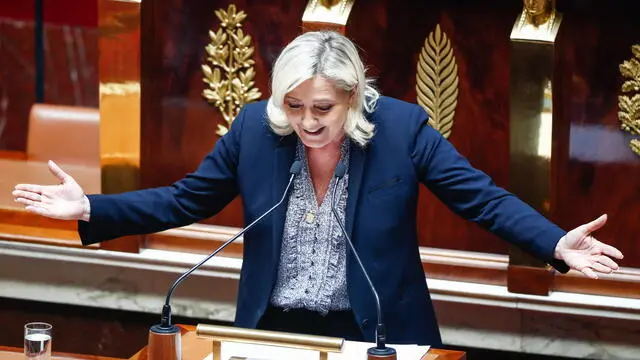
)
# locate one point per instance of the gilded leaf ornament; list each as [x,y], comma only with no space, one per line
[437,81]
[629,101]
[229,73]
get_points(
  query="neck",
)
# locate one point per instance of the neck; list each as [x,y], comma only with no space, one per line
[329,3]
[331,148]
[540,19]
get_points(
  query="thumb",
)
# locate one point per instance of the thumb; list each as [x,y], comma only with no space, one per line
[58,172]
[595,224]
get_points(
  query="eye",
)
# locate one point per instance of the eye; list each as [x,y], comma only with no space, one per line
[294,106]
[324,108]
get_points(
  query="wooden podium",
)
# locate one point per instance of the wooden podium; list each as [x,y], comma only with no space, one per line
[195,348]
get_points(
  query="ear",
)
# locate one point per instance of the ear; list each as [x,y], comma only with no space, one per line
[352,96]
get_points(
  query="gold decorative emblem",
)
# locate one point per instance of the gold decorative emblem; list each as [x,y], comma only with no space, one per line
[629,103]
[437,81]
[229,50]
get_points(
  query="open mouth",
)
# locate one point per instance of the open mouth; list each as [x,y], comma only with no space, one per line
[314,132]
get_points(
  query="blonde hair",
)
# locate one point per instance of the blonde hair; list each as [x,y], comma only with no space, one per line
[334,57]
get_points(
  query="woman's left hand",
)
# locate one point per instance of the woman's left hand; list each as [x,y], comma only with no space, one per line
[582,252]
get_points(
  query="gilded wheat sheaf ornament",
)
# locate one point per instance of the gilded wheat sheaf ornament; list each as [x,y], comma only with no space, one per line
[437,81]
[629,101]
[229,52]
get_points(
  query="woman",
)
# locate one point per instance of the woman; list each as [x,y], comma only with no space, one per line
[297,274]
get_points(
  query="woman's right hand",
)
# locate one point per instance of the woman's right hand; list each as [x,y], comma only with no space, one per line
[65,201]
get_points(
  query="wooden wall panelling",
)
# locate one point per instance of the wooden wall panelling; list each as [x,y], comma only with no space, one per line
[182,126]
[17,82]
[391,35]
[70,73]
[597,172]
[178,127]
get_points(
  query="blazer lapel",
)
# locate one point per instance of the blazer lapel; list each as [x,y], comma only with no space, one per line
[357,158]
[284,155]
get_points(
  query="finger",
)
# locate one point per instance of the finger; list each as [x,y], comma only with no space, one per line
[611,251]
[596,266]
[59,173]
[596,224]
[29,187]
[606,261]
[26,202]
[589,273]
[27,195]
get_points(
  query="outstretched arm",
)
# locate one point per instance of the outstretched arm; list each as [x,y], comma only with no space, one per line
[471,194]
[199,195]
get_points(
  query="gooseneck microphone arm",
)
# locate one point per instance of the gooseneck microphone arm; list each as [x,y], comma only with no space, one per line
[381,337]
[165,320]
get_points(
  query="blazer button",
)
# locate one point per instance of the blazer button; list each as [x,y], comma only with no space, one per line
[365,323]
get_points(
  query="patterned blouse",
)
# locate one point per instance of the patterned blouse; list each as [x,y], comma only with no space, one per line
[312,271]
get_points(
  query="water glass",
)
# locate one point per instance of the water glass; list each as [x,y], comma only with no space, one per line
[37,341]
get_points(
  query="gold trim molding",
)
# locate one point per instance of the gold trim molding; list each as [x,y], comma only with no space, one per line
[437,81]
[125,88]
[229,51]
[629,100]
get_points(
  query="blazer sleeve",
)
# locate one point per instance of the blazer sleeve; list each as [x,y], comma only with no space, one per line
[197,196]
[472,194]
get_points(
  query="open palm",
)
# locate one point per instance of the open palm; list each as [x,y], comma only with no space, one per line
[64,201]
[582,252]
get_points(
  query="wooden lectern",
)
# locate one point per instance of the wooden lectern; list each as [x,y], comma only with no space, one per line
[198,342]
[195,347]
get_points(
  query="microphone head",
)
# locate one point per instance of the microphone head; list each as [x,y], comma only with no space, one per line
[341,169]
[295,167]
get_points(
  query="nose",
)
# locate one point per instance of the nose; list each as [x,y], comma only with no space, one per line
[308,118]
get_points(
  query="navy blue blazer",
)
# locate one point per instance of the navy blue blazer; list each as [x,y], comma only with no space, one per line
[252,161]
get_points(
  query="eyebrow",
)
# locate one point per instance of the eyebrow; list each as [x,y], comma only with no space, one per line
[323,100]
[315,101]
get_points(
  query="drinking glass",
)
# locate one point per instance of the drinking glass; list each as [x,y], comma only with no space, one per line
[37,341]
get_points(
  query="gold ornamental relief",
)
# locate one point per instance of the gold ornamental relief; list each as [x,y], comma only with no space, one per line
[629,101]
[229,73]
[437,81]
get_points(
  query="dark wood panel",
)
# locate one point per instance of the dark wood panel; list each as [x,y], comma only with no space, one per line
[17,82]
[54,11]
[597,172]
[178,126]
[70,78]
[71,66]
[182,125]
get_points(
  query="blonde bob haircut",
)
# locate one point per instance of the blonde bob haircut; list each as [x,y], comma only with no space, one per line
[334,57]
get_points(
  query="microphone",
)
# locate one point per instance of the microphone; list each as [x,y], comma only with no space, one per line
[381,351]
[165,327]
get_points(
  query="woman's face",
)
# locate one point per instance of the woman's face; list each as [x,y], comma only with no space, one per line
[536,7]
[317,111]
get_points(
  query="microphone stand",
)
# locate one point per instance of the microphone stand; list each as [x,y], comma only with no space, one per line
[381,351]
[165,338]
